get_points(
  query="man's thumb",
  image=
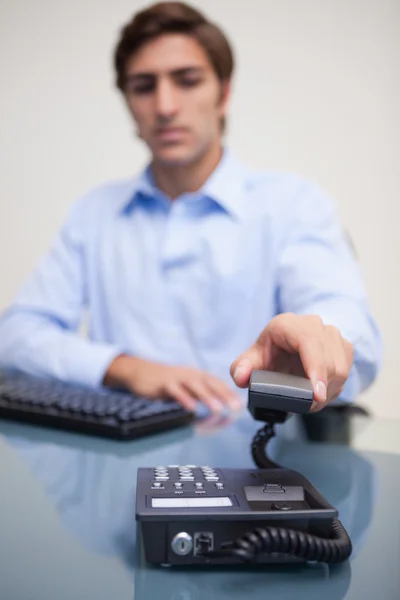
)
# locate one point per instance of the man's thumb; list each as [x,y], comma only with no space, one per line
[247,362]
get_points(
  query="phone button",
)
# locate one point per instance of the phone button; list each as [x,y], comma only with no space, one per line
[281,506]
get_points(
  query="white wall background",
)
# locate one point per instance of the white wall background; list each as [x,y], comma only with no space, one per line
[316,92]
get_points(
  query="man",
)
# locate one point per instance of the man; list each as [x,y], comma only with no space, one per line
[199,269]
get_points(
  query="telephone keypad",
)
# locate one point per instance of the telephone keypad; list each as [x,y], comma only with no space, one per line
[186,478]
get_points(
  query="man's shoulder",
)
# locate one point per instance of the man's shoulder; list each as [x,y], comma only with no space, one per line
[282,192]
[105,197]
[97,207]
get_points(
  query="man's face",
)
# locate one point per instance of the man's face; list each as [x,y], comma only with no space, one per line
[175,98]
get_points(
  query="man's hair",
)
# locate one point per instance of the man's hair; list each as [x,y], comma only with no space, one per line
[173,17]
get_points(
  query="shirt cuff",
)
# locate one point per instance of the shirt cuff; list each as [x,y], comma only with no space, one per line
[89,366]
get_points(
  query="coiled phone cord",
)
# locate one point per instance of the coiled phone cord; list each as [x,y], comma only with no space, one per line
[259,447]
[298,544]
[335,549]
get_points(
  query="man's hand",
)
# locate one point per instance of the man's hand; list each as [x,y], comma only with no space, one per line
[300,345]
[185,385]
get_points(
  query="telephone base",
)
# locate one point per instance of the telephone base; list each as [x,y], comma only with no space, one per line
[193,515]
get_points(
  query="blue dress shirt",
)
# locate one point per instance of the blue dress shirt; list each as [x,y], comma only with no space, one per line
[190,282]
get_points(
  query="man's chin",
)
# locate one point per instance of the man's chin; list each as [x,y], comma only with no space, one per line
[174,156]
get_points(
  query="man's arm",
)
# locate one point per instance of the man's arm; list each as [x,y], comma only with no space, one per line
[39,332]
[318,275]
[39,335]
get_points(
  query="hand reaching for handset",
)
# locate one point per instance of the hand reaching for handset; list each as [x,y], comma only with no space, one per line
[302,345]
[186,385]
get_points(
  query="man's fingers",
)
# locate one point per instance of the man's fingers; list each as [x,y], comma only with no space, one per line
[349,352]
[306,336]
[322,354]
[247,362]
[312,358]
[177,391]
[342,352]
[197,386]
[340,360]
[200,390]
[315,360]
[222,391]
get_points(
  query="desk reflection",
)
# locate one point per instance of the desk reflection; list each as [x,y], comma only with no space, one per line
[92,484]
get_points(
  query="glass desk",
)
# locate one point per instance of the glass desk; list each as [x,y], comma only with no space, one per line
[67,514]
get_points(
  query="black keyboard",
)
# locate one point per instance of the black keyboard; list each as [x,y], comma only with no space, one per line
[100,411]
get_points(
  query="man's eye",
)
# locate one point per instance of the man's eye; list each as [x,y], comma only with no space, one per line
[141,88]
[189,81]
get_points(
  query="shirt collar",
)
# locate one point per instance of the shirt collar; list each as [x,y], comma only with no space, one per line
[225,186]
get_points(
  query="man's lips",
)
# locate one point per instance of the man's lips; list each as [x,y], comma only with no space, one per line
[170,133]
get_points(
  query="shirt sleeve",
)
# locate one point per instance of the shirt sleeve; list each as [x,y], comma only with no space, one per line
[39,333]
[319,274]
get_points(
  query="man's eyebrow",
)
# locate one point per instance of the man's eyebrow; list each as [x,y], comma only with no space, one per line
[140,75]
[188,71]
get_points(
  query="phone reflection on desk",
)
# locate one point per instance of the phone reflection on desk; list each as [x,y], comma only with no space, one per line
[312,582]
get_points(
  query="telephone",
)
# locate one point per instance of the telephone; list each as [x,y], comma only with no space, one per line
[197,515]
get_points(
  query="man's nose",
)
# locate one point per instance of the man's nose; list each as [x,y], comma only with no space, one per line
[166,100]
